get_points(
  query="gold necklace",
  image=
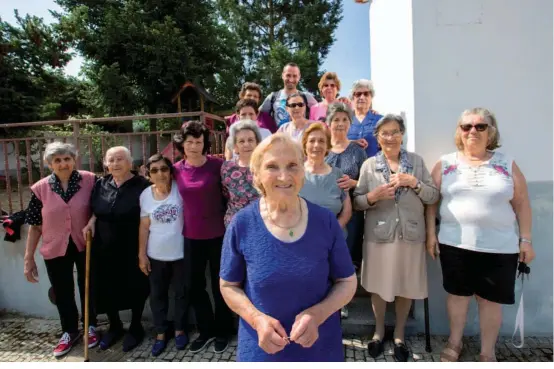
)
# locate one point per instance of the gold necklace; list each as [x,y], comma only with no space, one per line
[290,229]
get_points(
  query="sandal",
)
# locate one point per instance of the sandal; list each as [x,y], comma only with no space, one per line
[484,358]
[451,352]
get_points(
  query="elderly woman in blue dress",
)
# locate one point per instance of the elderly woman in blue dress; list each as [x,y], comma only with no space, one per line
[285,267]
[393,189]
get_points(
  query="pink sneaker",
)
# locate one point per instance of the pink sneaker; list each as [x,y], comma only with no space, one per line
[92,337]
[65,344]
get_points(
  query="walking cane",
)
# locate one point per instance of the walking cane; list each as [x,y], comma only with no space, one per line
[87,289]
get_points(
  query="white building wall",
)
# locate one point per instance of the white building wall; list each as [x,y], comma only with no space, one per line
[491,53]
[391,41]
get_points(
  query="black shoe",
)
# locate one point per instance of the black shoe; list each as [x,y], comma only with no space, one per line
[200,343]
[220,344]
[401,352]
[111,337]
[375,348]
[133,338]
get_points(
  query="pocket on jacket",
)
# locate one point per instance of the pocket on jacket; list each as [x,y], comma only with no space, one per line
[382,231]
[412,231]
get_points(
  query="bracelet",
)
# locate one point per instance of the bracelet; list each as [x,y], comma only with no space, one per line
[525,240]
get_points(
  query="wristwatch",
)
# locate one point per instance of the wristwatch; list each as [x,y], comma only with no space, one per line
[525,240]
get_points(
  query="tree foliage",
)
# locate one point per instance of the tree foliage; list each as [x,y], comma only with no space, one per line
[274,32]
[32,83]
[139,52]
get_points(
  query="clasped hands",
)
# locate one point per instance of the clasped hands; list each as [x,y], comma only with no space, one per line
[273,338]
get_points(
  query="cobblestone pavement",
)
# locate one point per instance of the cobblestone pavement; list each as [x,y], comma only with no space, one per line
[31,339]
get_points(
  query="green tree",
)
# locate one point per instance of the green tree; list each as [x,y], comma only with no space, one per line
[274,32]
[139,52]
[32,83]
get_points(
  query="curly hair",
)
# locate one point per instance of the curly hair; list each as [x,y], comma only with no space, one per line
[195,129]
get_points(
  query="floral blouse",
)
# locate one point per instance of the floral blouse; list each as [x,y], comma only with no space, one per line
[237,188]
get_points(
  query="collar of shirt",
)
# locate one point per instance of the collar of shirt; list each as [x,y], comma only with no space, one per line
[72,185]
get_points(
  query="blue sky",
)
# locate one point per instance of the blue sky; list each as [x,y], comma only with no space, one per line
[349,55]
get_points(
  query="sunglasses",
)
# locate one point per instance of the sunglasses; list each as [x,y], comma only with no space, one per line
[365,93]
[479,127]
[294,105]
[156,170]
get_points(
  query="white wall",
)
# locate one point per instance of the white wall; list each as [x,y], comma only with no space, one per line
[391,71]
[491,53]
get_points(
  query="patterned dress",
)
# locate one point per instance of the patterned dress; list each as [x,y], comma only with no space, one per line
[237,188]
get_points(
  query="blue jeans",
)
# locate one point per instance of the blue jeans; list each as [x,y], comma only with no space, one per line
[354,240]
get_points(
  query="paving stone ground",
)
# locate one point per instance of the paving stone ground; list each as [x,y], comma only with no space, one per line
[31,339]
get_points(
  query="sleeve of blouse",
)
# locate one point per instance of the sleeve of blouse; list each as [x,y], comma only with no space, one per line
[233,265]
[429,194]
[362,189]
[33,214]
[340,261]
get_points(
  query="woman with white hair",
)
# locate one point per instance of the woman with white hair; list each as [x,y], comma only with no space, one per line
[365,118]
[117,280]
[236,177]
[58,211]
[285,267]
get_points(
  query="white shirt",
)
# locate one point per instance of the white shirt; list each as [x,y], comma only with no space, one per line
[165,242]
[475,211]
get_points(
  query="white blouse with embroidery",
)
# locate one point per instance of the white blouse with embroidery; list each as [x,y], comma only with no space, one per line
[475,211]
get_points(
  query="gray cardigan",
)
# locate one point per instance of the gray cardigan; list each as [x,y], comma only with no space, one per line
[385,220]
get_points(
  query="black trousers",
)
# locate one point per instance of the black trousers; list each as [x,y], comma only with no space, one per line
[60,273]
[162,275]
[209,324]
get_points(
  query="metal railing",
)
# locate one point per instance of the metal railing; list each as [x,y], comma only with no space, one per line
[22,163]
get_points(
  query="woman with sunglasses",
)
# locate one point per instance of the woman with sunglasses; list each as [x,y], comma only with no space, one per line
[483,195]
[365,119]
[298,124]
[162,251]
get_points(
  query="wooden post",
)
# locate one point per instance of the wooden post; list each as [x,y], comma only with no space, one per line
[76,143]
[87,292]
[179,103]
[201,103]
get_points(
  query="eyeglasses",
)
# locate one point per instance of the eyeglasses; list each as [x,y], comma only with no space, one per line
[329,85]
[393,134]
[294,105]
[360,93]
[479,127]
[161,169]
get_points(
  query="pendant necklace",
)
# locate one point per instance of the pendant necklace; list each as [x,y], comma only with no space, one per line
[290,229]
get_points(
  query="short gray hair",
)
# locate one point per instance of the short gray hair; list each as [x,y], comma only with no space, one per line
[389,118]
[336,108]
[58,148]
[362,83]
[125,151]
[244,125]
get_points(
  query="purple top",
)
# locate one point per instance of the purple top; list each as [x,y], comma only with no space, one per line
[203,202]
[237,188]
[283,279]
[264,121]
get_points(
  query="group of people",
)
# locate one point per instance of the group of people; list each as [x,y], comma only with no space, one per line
[309,192]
